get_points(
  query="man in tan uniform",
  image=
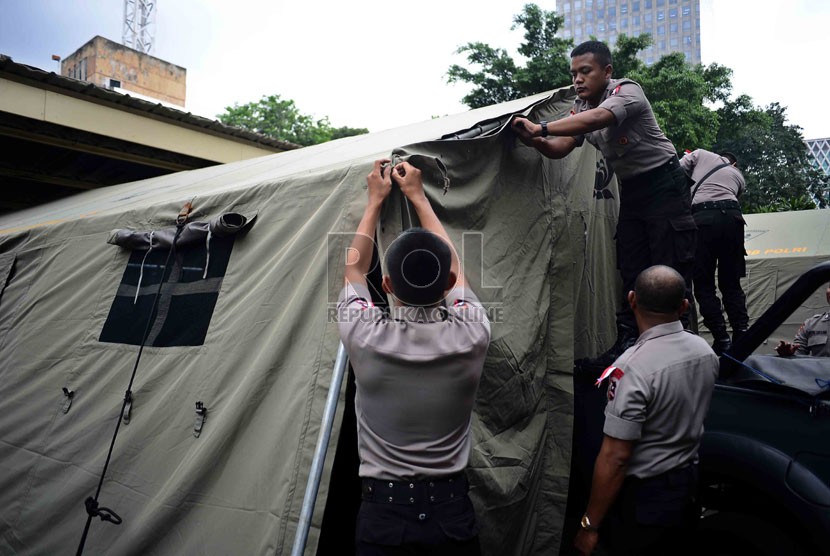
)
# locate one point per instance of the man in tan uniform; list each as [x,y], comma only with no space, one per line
[417,372]
[655,223]
[645,476]
[812,337]
[720,242]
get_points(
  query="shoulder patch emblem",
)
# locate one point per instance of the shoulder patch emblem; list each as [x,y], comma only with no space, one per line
[362,303]
[623,140]
[616,375]
[612,371]
[616,90]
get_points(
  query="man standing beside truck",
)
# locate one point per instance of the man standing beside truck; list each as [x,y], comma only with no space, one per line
[645,476]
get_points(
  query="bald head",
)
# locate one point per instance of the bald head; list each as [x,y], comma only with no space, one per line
[660,289]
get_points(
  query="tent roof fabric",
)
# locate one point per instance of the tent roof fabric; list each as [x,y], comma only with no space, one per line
[537,247]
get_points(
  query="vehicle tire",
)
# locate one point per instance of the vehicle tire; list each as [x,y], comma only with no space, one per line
[738,534]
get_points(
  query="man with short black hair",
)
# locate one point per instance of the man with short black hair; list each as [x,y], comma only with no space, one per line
[718,184]
[655,223]
[645,476]
[417,372]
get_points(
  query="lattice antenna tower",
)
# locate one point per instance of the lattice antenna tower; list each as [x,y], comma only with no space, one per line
[139,25]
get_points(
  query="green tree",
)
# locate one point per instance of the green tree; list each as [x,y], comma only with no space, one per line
[281,119]
[773,158]
[624,54]
[678,93]
[496,76]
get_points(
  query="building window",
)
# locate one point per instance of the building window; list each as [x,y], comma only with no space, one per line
[687,25]
[589,29]
[663,45]
[661,29]
[635,6]
[647,19]
[600,14]
[611,2]
[624,23]
[600,3]
[687,10]
[673,28]
[673,12]
[578,19]
[577,5]
[635,21]
[661,3]
[661,15]
[612,13]
[649,60]
[114,83]
[673,42]
[589,4]
[601,27]
[566,7]
[589,16]
[687,39]
[647,4]
[612,25]
[623,8]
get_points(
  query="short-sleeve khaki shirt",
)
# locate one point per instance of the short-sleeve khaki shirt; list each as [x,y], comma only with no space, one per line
[635,144]
[417,372]
[724,184]
[658,395]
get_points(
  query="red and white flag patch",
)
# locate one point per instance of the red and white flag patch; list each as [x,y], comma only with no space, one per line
[616,372]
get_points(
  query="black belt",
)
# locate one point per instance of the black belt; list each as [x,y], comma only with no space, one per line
[414,492]
[716,205]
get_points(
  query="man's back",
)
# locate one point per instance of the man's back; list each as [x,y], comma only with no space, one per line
[417,373]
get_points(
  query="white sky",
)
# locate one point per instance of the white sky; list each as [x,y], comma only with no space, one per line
[381,64]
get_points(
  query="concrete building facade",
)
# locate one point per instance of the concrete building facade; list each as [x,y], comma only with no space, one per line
[673,24]
[111,65]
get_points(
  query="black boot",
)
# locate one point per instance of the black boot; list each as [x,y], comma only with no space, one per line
[626,337]
[722,342]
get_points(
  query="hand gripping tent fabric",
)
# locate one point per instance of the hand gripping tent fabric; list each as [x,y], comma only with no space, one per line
[216,444]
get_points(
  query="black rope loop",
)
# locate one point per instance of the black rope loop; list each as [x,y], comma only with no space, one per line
[105,514]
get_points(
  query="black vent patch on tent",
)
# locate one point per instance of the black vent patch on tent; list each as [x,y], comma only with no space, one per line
[186,301]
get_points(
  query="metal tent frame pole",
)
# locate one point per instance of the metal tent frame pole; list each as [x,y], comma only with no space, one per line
[313,484]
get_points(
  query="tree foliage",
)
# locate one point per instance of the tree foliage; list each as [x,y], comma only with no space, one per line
[498,78]
[684,96]
[773,158]
[281,119]
[678,93]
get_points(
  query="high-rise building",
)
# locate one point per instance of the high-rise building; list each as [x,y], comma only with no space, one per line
[114,66]
[673,24]
[819,152]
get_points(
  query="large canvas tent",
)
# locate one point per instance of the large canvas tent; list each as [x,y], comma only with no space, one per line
[780,247]
[214,450]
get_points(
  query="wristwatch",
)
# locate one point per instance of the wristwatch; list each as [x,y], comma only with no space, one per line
[544,125]
[586,523]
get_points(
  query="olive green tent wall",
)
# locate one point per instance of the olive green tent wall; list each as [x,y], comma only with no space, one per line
[780,247]
[538,250]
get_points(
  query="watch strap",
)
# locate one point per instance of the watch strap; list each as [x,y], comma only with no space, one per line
[544,124]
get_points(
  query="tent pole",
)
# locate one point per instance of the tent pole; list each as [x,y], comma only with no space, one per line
[313,484]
